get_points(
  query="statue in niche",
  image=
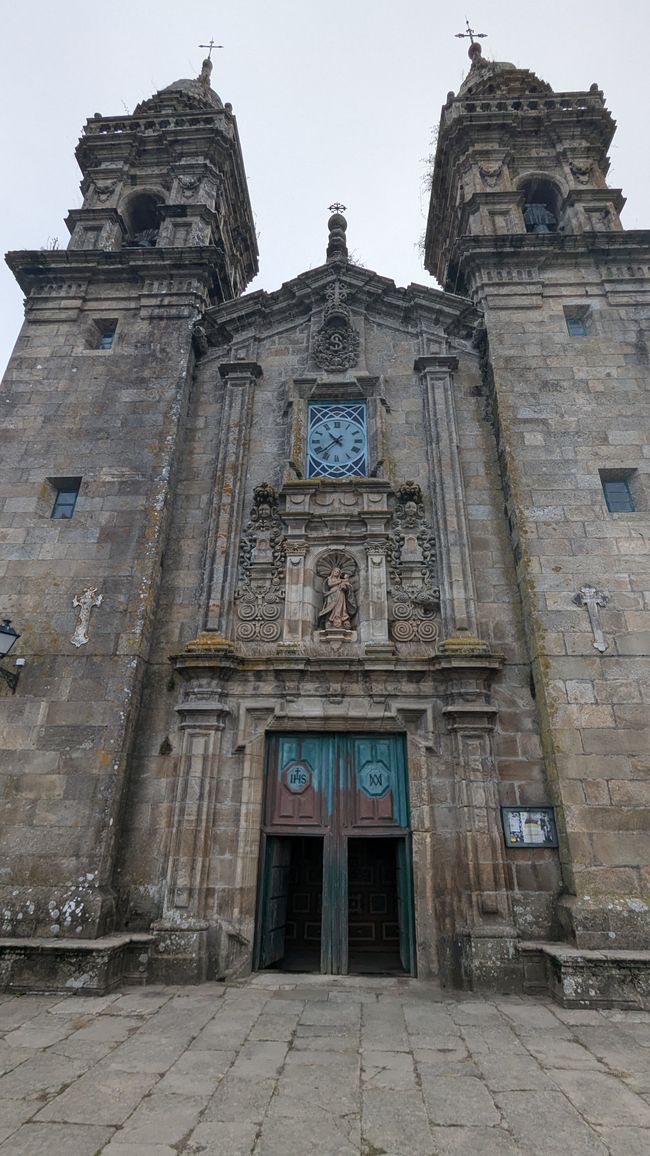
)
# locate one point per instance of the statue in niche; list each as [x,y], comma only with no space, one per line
[339,581]
[338,601]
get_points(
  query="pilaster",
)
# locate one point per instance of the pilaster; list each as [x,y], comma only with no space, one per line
[239,382]
[457,593]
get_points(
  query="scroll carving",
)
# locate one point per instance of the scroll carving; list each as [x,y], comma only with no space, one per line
[412,568]
[336,345]
[260,593]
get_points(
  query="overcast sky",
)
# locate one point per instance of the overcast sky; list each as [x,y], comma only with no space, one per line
[333,102]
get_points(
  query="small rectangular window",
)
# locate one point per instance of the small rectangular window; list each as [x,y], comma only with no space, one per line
[577,319]
[106,334]
[618,495]
[66,494]
[576,326]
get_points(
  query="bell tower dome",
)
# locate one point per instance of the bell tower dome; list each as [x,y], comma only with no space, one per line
[171,176]
[515,158]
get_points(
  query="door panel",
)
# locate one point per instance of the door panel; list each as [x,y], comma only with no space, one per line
[373,903]
[406,922]
[300,787]
[336,786]
[275,892]
[378,782]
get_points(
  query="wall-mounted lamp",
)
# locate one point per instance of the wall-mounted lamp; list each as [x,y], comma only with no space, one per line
[8,638]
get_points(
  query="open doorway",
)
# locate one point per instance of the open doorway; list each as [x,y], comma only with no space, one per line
[293,900]
[376,909]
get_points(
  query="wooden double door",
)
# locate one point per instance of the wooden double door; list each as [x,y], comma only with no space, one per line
[335,890]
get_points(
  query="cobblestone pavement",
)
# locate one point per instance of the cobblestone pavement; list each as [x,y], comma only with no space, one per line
[291,1065]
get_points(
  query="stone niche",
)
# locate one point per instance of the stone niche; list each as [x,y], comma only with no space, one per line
[334,525]
[330,563]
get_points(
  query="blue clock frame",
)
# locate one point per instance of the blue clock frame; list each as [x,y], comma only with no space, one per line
[337,439]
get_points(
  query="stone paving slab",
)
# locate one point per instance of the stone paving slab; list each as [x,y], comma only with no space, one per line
[334,1066]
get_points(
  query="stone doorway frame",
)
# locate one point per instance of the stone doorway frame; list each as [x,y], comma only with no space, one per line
[461,897]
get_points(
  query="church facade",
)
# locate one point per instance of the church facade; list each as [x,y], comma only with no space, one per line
[334,601]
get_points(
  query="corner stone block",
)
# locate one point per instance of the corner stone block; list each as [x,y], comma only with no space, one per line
[180,954]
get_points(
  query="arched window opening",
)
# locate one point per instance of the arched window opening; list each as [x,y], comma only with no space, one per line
[540,206]
[143,221]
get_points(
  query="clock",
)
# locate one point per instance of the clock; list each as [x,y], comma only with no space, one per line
[337,439]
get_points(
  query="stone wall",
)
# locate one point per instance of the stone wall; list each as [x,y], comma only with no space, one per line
[566,408]
[111,417]
[213,733]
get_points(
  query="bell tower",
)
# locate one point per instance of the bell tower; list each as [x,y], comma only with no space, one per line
[515,158]
[98,387]
[171,176]
[523,222]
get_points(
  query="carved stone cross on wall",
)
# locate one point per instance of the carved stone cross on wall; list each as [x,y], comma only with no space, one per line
[84,603]
[591,598]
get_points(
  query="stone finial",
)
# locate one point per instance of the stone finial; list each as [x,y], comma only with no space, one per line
[337,249]
[205,73]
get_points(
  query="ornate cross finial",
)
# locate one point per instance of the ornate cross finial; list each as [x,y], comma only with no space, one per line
[337,207]
[210,46]
[471,32]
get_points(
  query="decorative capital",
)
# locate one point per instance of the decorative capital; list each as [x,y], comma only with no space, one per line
[435,361]
[229,371]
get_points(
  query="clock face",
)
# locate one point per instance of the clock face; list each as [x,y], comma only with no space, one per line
[337,443]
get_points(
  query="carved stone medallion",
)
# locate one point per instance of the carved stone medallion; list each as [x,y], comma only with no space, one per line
[336,345]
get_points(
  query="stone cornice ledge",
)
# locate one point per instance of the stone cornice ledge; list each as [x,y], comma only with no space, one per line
[435,361]
[211,652]
[30,267]
[460,652]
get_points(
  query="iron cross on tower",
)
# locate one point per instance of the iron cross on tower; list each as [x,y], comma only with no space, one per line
[473,35]
[210,46]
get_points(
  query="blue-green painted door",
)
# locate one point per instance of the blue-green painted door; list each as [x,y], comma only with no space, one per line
[338,786]
[275,895]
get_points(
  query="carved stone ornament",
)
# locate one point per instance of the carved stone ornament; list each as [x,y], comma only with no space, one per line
[582,173]
[592,599]
[85,603]
[411,557]
[199,339]
[104,189]
[336,345]
[188,186]
[490,174]
[259,596]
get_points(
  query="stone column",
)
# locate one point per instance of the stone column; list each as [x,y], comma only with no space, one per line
[485,932]
[239,382]
[377,624]
[181,949]
[294,594]
[458,597]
